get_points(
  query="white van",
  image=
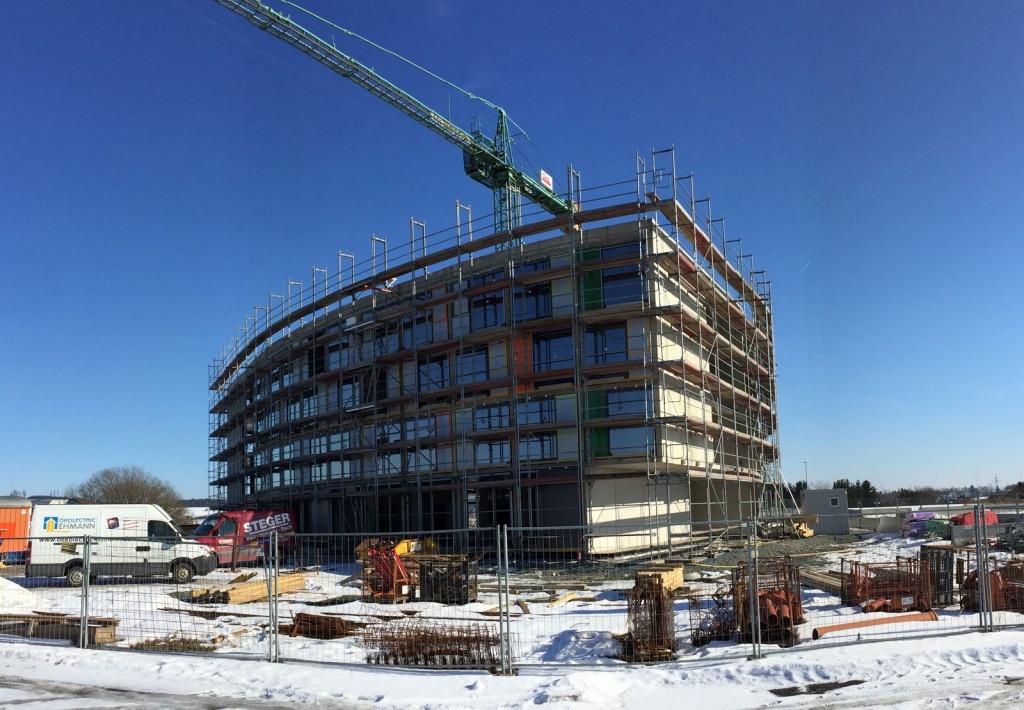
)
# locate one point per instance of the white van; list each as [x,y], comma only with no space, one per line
[140,540]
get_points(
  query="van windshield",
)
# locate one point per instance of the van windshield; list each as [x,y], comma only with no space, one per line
[206,526]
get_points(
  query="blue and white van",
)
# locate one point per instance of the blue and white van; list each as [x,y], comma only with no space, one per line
[137,540]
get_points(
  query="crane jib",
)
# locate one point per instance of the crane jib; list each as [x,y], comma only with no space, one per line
[485,161]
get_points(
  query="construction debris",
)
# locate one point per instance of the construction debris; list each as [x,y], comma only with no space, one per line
[385,576]
[438,645]
[180,645]
[650,621]
[447,579]
[1006,585]
[317,626]
[50,625]
[942,560]
[245,592]
[775,586]
[712,617]
[903,585]
[212,614]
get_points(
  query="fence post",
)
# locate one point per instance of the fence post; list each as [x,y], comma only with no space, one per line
[752,591]
[270,566]
[989,605]
[981,565]
[83,623]
[504,620]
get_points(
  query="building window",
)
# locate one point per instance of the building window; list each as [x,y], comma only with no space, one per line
[352,466]
[389,432]
[628,403]
[834,502]
[350,393]
[552,351]
[621,284]
[620,441]
[487,310]
[424,459]
[536,411]
[480,279]
[420,428]
[385,341]
[532,266]
[540,446]
[630,249]
[533,302]
[492,452]
[627,441]
[310,403]
[472,366]
[493,417]
[417,332]
[315,361]
[617,403]
[602,345]
[348,351]
[432,374]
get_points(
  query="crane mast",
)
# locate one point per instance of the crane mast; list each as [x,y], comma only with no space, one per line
[488,161]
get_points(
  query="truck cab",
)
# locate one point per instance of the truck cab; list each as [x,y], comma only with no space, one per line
[242,535]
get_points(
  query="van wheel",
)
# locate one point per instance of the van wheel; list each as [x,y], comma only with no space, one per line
[181,573]
[75,576]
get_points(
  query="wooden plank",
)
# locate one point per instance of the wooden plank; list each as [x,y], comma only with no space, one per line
[563,599]
[522,605]
[246,592]
[244,577]
[830,582]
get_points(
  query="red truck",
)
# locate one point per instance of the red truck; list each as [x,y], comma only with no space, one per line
[241,535]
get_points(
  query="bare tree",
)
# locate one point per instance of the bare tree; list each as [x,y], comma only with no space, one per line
[129,484]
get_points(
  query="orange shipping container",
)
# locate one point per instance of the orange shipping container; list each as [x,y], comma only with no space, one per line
[14,516]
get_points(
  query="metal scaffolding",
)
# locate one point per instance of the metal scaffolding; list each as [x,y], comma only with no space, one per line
[612,368]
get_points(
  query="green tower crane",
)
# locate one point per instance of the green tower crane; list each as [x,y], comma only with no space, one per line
[486,160]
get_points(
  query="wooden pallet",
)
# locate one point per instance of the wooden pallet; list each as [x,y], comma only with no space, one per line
[46,625]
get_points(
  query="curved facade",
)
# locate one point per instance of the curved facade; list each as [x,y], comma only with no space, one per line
[610,369]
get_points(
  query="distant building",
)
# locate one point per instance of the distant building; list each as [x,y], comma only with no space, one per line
[612,370]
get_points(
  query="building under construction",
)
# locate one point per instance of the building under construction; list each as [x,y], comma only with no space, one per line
[612,368]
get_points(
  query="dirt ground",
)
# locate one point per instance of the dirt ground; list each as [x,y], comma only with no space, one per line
[804,552]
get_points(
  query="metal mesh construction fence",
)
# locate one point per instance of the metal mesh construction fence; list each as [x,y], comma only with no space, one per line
[504,597]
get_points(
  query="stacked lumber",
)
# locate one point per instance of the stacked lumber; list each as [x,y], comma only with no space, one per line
[246,592]
[318,626]
[826,580]
[49,625]
[670,574]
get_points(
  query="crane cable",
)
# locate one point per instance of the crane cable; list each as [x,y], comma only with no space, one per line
[411,63]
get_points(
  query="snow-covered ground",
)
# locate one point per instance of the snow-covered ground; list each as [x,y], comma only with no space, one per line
[982,670]
[567,652]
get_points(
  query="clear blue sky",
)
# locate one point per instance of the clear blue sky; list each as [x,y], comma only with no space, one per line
[165,166]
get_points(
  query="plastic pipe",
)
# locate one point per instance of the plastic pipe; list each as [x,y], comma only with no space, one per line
[919,616]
